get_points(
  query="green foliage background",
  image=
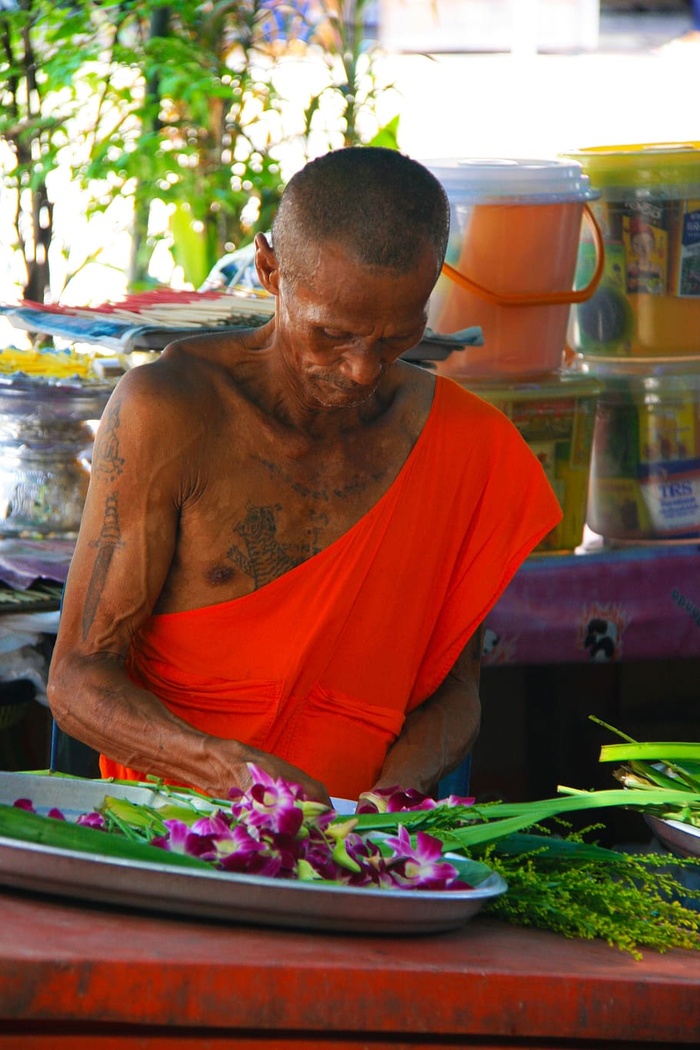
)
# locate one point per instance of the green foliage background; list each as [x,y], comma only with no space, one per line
[170,102]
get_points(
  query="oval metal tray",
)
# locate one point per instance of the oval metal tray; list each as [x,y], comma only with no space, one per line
[216,895]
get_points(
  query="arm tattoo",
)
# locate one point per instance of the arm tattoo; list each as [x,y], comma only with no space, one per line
[107,460]
[106,544]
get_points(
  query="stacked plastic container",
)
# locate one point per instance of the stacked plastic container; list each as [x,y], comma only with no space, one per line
[512,257]
[639,335]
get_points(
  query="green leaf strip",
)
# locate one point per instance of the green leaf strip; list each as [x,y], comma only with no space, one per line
[20,824]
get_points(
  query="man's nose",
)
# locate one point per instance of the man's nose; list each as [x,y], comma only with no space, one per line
[363,364]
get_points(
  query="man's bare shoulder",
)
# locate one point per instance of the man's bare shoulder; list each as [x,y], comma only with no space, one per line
[214,350]
[190,370]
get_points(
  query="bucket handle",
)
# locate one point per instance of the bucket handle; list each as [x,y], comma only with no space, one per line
[546,298]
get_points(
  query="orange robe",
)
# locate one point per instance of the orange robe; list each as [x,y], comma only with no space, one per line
[321,666]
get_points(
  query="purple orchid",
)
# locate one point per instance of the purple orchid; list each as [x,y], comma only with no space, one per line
[181,838]
[24,803]
[317,861]
[243,853]
[92,820]
[394,800]
[374,866]
[270,804]
[231,847]
[419,866]
[460,800]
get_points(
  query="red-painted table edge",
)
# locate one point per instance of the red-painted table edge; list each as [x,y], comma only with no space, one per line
[68,967]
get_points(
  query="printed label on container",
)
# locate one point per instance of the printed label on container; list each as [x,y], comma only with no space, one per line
[551,418]
[546,452]
[672,498]
[686,261]
[645,237]
[667,430]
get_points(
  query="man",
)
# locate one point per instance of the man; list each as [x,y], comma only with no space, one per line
[291,536]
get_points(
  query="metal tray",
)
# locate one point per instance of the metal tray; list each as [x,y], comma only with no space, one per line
[682,839]
[216,895]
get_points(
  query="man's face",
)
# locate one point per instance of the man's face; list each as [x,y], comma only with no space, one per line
[342,324]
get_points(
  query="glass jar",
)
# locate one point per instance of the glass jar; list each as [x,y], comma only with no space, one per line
[46,440]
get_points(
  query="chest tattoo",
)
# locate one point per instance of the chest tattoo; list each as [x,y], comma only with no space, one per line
[323,494]
[259,554]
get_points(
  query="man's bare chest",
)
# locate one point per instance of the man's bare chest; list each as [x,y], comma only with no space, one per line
[262,513]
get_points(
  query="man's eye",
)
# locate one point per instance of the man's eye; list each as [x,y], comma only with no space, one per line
[401,340]
[333,333]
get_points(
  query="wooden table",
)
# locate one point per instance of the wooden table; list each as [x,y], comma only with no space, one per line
[74,977]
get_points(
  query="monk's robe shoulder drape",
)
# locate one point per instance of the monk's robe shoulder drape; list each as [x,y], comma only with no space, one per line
[321,666]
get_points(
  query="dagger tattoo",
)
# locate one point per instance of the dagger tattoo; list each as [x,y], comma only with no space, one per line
[107,542]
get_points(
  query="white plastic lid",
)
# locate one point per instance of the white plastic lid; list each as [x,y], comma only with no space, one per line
[474,180]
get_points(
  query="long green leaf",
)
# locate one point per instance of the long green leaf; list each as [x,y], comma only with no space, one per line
[666,752]
[16,823]
[554,848]
[654,751]
[506,818]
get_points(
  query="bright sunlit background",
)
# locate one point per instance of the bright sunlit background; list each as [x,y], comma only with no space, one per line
[511,86]
[639,84]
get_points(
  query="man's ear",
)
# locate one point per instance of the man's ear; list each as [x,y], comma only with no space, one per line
[266,264]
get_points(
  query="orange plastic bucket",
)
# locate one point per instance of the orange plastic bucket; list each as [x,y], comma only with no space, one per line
[511,259]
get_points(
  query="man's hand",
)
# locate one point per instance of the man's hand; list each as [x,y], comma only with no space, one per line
[233,759]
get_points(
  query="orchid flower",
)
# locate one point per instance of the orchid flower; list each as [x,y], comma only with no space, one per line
[270,803]
[230,847]
[394,800]
[91,820]
[419,866]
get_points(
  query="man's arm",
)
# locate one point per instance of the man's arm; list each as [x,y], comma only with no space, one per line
[140,482]
[439,734]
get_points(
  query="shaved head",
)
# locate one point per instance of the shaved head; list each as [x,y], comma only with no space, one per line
[384,209]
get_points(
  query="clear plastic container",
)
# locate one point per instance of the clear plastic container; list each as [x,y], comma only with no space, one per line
[555,415]
[648,301]
[514,236]
[45,445]
[645,462]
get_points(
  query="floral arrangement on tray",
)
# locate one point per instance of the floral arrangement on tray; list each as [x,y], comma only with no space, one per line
[400,839]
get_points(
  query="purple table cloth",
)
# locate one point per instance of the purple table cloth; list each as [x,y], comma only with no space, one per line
[633,604]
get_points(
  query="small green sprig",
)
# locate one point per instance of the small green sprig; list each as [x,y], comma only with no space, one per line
[579,889]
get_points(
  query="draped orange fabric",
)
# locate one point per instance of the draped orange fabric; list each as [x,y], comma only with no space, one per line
[321,666]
